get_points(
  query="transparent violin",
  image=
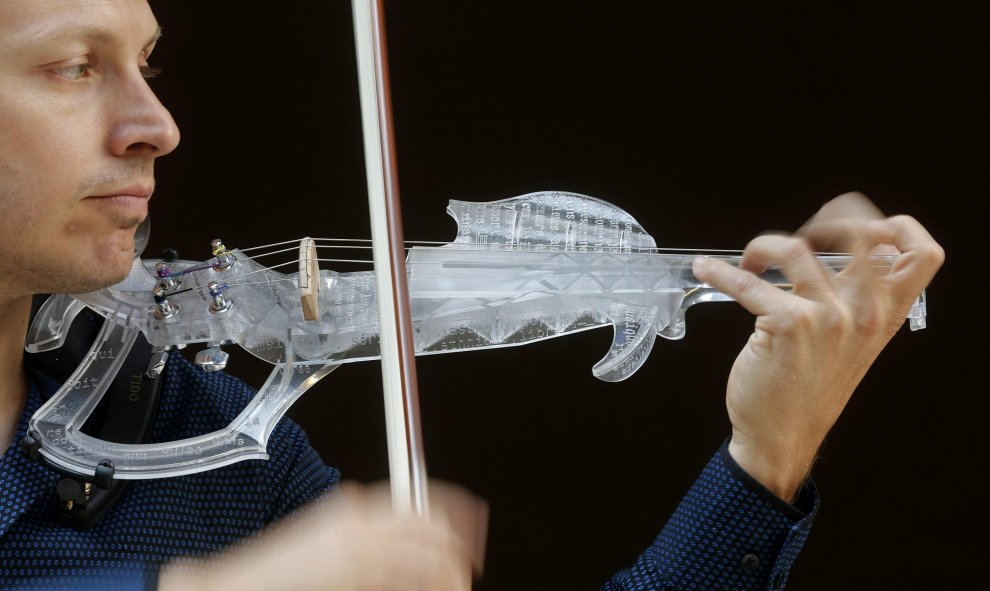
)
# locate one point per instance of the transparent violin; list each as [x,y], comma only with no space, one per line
[520,270]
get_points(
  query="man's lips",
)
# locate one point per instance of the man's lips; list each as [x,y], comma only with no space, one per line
[134,191]
[129,201]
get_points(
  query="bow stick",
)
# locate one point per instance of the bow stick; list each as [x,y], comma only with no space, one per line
[407,470]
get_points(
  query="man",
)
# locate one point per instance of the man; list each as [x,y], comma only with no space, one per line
[79,133]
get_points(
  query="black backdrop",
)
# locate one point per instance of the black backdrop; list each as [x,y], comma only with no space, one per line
[709,122]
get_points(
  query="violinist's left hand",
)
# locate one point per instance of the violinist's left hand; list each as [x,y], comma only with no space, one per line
[812,346]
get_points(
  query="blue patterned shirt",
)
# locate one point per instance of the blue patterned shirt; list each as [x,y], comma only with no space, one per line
[155,520]
[727,533]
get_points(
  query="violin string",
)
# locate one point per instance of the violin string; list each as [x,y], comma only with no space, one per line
[198,267]
[355,240]
[510,246]
[265,254]
[292,283]
[422,275]
[881,263]
[269,245]
[269,280]
[368,241]
[212,262]
[296,249]
[476,246]
[230,282]
[360,243]
[364,244]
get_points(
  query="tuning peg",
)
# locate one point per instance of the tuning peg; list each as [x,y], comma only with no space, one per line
[156,365]
[212,358]
[225,260]
[164,308]
[220,303]
[168,282]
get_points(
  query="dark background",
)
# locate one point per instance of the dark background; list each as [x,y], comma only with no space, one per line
[709,122]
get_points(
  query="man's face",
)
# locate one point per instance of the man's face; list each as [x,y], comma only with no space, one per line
[79,132]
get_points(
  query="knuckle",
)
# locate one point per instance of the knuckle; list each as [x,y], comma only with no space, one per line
[794,249]
[934,255]
[746,283]
[833,319]
[871,317]
[804,320]
[925,259]
[904,219]
[852,197]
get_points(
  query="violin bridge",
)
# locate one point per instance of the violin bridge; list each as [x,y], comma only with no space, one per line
[309,279]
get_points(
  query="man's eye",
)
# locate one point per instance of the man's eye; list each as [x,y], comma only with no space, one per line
[150,72]
[73,72]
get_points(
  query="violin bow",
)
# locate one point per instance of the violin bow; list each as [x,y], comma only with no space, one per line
[407,465]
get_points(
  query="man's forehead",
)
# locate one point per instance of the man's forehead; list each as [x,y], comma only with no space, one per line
[108,22]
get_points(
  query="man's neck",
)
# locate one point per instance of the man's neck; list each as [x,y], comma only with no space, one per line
[14,316]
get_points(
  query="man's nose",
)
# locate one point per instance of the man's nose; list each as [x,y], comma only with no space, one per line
[141,124]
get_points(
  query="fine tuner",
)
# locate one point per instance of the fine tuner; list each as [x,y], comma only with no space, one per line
[523,269]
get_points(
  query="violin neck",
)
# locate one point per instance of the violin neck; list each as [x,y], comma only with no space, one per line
[515,272]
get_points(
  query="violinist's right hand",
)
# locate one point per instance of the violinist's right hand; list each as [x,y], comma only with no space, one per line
[351,540]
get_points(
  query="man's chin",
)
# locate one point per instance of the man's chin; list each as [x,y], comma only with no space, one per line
[122,272]
[81,267]
[113,260]
[105,277]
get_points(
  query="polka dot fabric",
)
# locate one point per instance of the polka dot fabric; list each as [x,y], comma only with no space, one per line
[727,533]
[155,520]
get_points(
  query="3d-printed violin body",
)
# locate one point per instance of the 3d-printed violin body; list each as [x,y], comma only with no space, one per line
[528,268]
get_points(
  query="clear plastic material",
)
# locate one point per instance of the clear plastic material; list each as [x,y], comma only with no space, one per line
[58,422]
[524,269]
